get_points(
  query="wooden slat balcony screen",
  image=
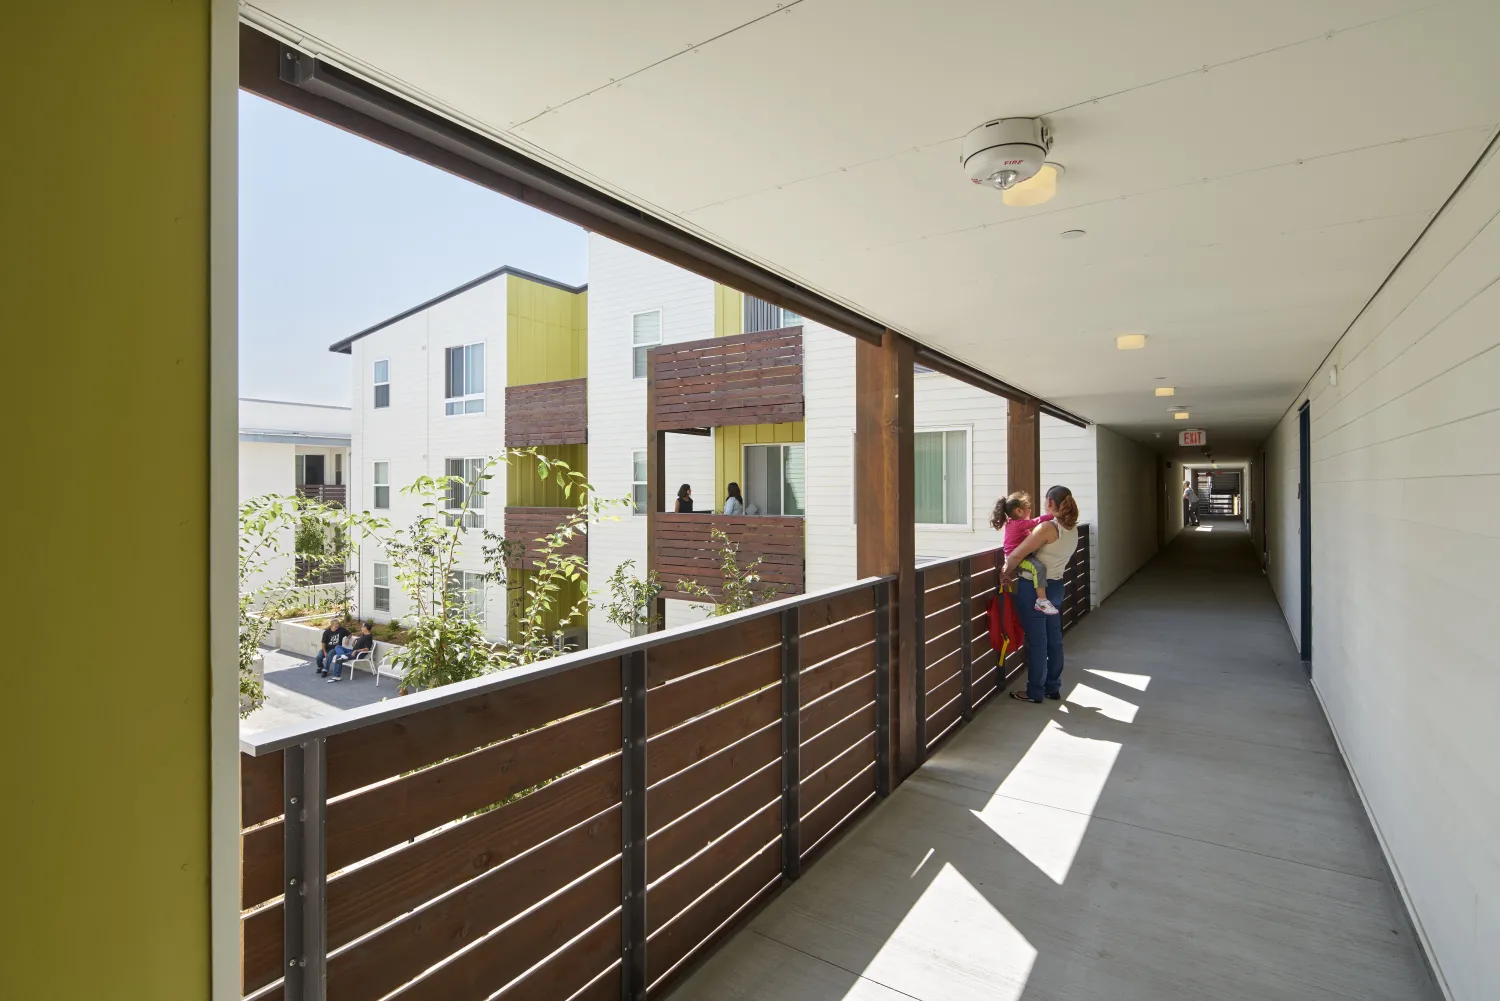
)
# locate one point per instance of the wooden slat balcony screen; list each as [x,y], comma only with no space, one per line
[686,550]
[586,827]
[328,493]
[724,381]
[547,413]
[525,525]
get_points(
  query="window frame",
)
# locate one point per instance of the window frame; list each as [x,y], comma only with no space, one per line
[375,485]
[660,339]
[480,607]
[472,467]
[640,512]
[466,398]
[376,587]
[745,478]
[378,384]
[968,431]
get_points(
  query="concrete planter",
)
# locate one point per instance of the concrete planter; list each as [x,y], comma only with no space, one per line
[299,636]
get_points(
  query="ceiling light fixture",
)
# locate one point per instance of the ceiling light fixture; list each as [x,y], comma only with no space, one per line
[1130,342]
[1181,415]
[1004,152]
[1074,234]
[1039,189]
[1166,391]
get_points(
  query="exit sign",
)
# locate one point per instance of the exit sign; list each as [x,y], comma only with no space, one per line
[1192,438]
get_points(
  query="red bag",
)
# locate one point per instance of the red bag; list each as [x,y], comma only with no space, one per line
[1006,633]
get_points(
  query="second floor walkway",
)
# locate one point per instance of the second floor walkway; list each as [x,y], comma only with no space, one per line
[1181,826]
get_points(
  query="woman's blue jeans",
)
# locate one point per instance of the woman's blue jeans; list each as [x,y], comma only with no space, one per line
[1044,646]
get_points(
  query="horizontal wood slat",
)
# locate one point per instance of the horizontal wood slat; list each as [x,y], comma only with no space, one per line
[371,753]
[363,899]
[827,745]
[262,947]
[720,381]
[674,797]
[668,848]
[831,777]
[670,752]
[820,614]
[672,892]
[696,925]
[942,694]
[585,963]
[525,525]
[261,864]
[547,413]
[940,722]
[685,656]
[816,647]
[833,813]
[685,549]
[388,814]
[260,788]
[836,672]
[696,694]
[824,713]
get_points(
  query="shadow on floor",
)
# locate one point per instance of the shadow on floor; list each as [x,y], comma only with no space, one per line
[1180,827]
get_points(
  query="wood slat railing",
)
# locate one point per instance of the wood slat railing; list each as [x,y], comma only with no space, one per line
[328,493]
[585,827]
[547,413]
[721,381]
[525,525]
[685,549]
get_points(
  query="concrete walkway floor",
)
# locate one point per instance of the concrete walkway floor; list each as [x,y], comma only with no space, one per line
[1180,827]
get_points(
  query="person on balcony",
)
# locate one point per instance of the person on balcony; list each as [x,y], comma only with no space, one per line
[1053,542]
[685,499]
[333,638]
[734,503]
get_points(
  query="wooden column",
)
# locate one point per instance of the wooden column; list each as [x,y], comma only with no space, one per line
[1023,451]
[885,480]
[656,478]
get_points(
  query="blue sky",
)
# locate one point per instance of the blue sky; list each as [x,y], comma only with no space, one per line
[337,233]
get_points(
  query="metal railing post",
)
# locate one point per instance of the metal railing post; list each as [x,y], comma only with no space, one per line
[305,870]
[791,746]
[920,665]
[966,637]
[883,688]
[633,826]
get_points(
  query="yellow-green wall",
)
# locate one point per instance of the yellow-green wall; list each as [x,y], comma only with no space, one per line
[729,457]
[729,311]
[566,598]
[523,488]
[547,333]
[104,282]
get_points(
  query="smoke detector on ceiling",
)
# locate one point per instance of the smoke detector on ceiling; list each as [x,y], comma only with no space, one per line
[1005,152]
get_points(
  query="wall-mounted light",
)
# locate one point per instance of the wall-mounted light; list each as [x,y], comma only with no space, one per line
[1037,189]
[1130,342]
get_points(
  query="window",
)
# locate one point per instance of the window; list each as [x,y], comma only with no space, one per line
[942,474]
[638,481]
[761,315]
[338,468]
[469,586]
[645,333]
[465,487]
[382,483]
[463,379]
[382,384]
[309,470]
[382,587]
[775,480]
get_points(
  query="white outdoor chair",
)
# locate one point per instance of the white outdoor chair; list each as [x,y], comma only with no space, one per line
[363,657]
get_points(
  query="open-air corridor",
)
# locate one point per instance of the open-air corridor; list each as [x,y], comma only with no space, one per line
[1180,827]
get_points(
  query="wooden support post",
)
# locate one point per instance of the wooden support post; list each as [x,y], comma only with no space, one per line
[656,480]
[885,513]
[1023,451]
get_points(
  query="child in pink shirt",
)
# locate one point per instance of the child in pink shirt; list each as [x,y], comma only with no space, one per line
[1013,518]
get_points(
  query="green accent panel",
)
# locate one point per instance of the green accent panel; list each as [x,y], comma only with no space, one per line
[729,311]
[570,593]
[547,333]
[523,488]
[729,457]
[105,223]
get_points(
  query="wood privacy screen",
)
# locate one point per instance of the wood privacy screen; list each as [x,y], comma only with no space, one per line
[586,827]
[687,550]
[547,413]
[724,381]
[525,525]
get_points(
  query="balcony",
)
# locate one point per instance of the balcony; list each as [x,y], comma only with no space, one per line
[724,381]
[588,826]
[684,548]
[525,525]
[328,493]
[547,413]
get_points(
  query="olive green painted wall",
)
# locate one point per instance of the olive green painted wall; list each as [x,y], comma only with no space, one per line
[729,311]
[547,335]
[104,197]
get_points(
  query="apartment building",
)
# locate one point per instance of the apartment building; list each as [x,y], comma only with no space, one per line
[442,387]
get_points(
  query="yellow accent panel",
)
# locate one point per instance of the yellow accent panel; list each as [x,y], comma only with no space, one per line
[546,333]
[729,311]
[523,488]
[106,278]
[729,457]
[570,592]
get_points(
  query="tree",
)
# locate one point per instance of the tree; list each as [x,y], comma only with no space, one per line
[632,600]
[741,588]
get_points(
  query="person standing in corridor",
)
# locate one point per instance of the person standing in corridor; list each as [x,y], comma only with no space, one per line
[1053,542]
[1189,504]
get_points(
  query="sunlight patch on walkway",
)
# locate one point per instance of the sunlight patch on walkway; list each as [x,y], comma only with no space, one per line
[1204,528]
[1043,807]
[1137,681]
[1108,705]
[950,919]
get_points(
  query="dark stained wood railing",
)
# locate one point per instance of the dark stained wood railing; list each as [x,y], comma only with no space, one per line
[525,525]
[685,549]
[547,413]
[328,493]
[723,381]
[586,827]
[312,571]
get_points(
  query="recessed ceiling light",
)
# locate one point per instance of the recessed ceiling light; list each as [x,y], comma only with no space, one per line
[1166,391]
[1130,342]
[1181,415]
[1074,234]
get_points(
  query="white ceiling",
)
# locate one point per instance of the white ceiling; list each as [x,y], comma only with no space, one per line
[1248,173]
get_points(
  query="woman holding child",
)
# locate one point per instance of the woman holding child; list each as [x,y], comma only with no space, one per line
[1037,551]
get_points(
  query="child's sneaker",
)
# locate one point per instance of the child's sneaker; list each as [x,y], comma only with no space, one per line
[1046,607]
